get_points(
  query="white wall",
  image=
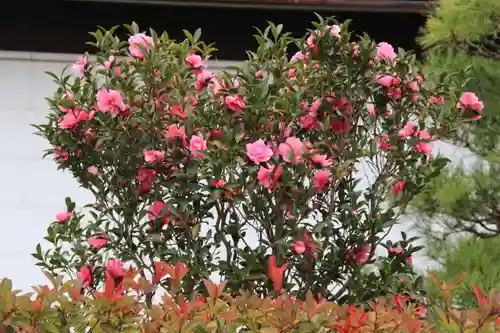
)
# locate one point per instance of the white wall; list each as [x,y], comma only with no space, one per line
[33,191]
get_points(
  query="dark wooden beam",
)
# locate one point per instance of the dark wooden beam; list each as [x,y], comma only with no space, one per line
[401,6]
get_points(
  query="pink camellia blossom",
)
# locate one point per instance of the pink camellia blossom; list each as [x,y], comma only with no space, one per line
[299,247]
[291,73]
[425,147]
[407,131]
[409,260]
[98,241]
[470,102]
[202,79]
[371,109]
[424,135]
[398,187]
[218,183]
[197,144]
[396,250]
[438,100]
[194,61]
[93,170]
[72,118]
[258,151]
[64,217]
[388,80]
[259,75]
[322,160]
[85,276]
[109,63]
[321,179]
[80,66]
[335,31]
[114,268]
[155,212]
[110,100]
[234,103]
[413,85]
[175,131]
[355,51]
[269,177]
[153,156]
[361,254]
[139,44]
[300,56]
[394,93]
[382,142]
[292,150]
[386,51]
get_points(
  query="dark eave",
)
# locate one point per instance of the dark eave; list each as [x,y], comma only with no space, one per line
[401,6]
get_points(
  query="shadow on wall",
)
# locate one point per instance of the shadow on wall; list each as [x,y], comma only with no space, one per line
[62,27]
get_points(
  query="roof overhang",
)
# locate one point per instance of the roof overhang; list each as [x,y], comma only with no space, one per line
[402,6]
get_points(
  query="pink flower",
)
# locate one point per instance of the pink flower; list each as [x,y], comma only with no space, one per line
[361,254]
[322,160]
[269,177]
[176,131]
[424,135]
[470,102]
[407,131]
[93,170]
[64,217]
[409,260]
[155,212]
[335,31]
[398,187]
[79,66]
[355,51]
[425,148]
[300,56]
[97,241]
[109,63]
[371,109]
[111,101]
[299,247]
[72,118]
[194,61]
[321,179]
[114,268]
[292,150]
[202,79]
[386,51]
[234,103]
[291,73]
[152,156]
[139,44]
[388,80]
[259,75]
[396,250]
[197,144]
[382,142]
[258,151]
[85,275]
[414,86]
[439,100]
[218,183]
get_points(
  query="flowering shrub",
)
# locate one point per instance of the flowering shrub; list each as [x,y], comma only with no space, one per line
[252,174]
[119,309]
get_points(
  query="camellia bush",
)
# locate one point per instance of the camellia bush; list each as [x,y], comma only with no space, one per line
[253,176]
